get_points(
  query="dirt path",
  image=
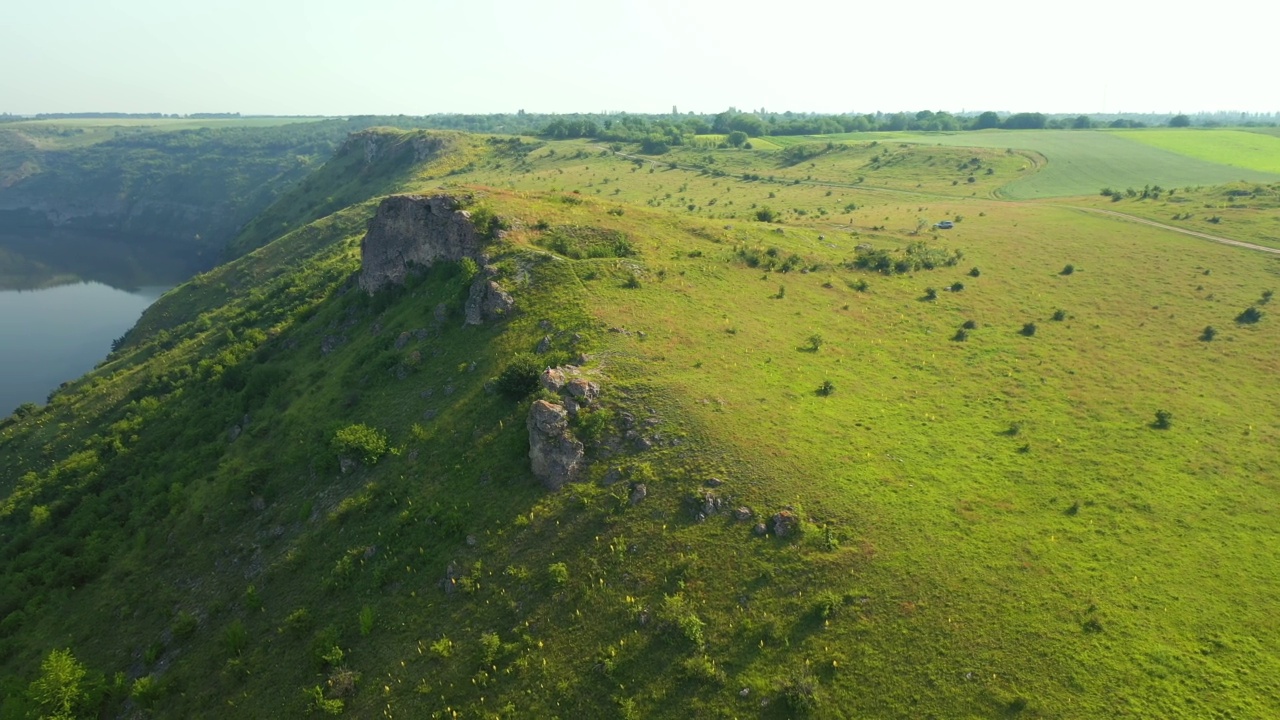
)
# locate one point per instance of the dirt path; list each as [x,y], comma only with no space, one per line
[1184,231]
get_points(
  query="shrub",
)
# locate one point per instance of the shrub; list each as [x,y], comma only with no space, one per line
[632,282]
[362,442]
[961,335]
[520,376]
[366,620]
[677,613]
[558,572]
[1209,333]
[800,693]
[318,702]
[1266,296]
[826,388]
[766,214]
[930,294]
[970,325]
[185,624]
[1164,420]
[59,690]
[235,638]
[1060,315]
[1028,329]
[490,646]
[957,286]
[1068,270]
[442,648]
[815,342]
[1249,316]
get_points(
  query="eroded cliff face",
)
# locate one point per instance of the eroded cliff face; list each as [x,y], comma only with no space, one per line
[414,230]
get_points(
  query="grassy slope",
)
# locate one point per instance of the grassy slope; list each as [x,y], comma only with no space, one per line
[953,573]
[1240,211]
[1081,163]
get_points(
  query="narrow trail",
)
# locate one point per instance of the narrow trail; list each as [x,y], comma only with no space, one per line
[1184,231]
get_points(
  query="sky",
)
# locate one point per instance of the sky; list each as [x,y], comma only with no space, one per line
[415,57]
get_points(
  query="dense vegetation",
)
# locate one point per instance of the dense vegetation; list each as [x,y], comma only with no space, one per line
[1018,474]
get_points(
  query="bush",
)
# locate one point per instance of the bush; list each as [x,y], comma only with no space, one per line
[520,376]
[59,691]
[1209,333]
[1068,270]
[961,335]
[766,214]
[957,286]
[1060,315]
[1249,316]
[826,388]
[970,325]
[361,442]
[1164,420]
[974,272]
[1028,329]
[930,294]
[558,572]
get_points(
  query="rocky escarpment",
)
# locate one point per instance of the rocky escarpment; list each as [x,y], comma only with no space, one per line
[411,231]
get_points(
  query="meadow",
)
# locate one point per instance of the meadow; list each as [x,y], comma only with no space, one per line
[995,519]
[1082,162]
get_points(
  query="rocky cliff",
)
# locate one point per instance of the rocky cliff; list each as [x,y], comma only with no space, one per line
[415,230]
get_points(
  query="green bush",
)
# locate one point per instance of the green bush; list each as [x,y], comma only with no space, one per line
[1164,420]
[558,572]
[361,442]
[1208,334]
[1028,329]
[520,376]
[1249,316]
[59,691]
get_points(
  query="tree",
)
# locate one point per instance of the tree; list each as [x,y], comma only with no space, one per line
[58,690]
[737,138]
[1081,122]
[1179,121]
[986,120]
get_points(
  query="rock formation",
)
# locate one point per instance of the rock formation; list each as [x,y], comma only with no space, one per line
[487,301]
[553,452]
[414,230]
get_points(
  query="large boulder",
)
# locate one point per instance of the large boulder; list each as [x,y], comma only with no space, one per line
[487,301]
[553,452]
[414,230]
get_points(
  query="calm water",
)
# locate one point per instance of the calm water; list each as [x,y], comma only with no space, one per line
[56,334]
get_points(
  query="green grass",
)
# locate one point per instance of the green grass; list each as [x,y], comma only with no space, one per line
[992,527]
[1082,162]
[1238,148]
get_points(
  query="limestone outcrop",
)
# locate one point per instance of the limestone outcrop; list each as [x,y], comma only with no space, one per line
[415,231]
[487,301]
[553,451]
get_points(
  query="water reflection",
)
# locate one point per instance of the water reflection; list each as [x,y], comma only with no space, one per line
[63,300]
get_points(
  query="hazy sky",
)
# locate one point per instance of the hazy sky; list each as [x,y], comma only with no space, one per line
[427,56]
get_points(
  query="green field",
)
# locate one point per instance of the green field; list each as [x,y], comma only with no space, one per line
[994,522]
[1082,162]
[1238,148]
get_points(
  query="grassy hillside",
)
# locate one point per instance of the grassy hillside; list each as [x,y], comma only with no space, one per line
[994,520]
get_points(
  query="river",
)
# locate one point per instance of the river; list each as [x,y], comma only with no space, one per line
[58,318]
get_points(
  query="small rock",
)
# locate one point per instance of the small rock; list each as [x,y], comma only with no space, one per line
[426,394]
[233,433]
[347,465]
[713,482]
[785,522]
[403,340]
[760,529]
[442,313]
[744,692]
[572,407]
[331,343]
[471,541]
[742,513]
[611,477]
[258,503]
[448,390]
[643,443]
[584,390]
[638,492]
[430,414]
[546,325]
[544,345]
[583,358]
[552,380]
